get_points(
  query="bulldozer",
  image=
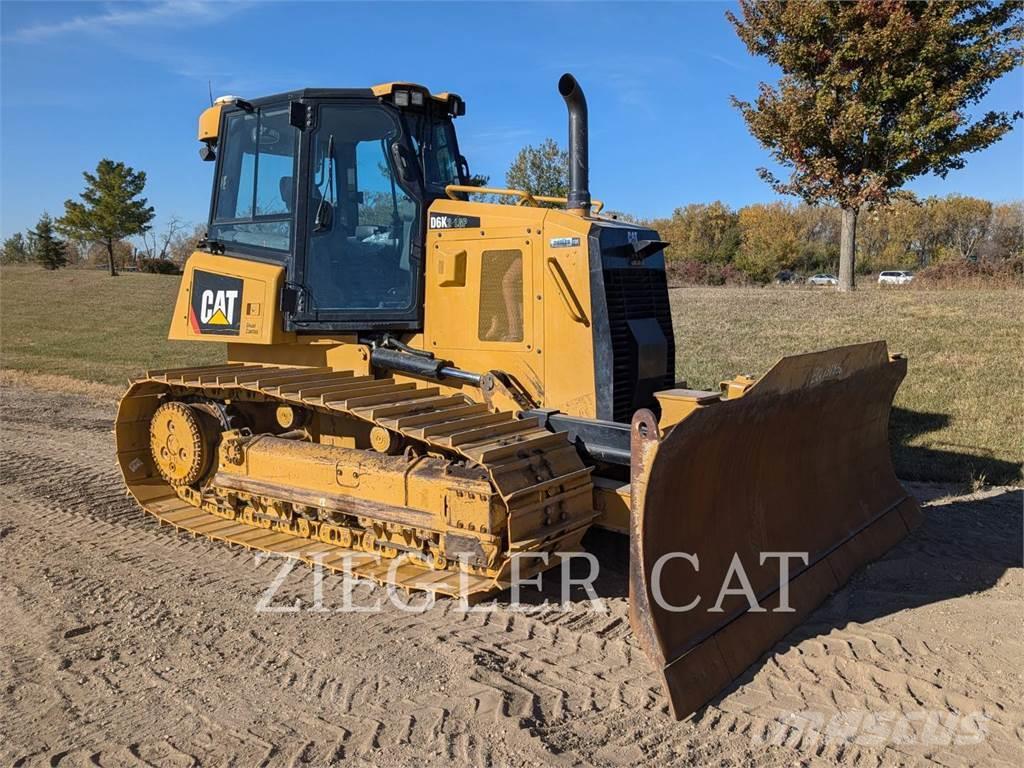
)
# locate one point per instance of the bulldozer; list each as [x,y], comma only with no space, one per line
[445,393]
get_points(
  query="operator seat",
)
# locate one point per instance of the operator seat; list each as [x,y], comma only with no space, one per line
[286,187]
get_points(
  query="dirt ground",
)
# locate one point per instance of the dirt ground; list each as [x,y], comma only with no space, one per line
[123,643]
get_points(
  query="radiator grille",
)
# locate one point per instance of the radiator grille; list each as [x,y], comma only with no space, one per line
[635,294]
[501,296]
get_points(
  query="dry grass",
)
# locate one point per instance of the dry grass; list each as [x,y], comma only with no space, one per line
[84,324]
[65,384]
[960,413]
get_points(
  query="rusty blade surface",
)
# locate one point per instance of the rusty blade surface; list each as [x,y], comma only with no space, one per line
[800,464]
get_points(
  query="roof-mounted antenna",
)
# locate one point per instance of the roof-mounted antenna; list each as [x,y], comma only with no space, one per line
[209,84]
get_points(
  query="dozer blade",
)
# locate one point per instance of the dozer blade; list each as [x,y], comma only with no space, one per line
[800,464]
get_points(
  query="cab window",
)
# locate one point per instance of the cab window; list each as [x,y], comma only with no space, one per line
[255,177]
[361,222]
[433,140]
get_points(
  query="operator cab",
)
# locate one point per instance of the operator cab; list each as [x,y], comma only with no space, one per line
[334,184]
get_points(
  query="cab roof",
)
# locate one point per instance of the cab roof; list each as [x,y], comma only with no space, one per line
[209,120]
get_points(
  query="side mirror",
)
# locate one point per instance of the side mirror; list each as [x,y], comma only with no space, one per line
[406,163]
[463,165]
[298,115]
[324,216]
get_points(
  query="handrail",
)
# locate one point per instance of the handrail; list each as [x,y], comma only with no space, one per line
[525,198]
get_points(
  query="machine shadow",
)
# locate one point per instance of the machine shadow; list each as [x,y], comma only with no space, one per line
[962,547]
[606,568]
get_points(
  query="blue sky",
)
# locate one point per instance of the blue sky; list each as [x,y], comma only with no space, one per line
[80,81]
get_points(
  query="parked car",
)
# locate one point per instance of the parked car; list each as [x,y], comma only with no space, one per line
[895,277]
[823,279]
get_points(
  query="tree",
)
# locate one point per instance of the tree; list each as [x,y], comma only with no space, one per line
[890,235]
[111,208]
[875,93]
[540,170]
[771,239]
[157,246]
[49,251]
[819,238]
[1005,238]
[968,219]
[98,256]
[185,243]
[16,250]
[706,232]
[75,251]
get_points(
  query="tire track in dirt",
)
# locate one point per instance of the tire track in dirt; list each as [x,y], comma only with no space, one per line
[502,687]
[494,693]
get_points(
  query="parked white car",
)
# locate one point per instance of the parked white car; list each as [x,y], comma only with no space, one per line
[895,277]
[823,279]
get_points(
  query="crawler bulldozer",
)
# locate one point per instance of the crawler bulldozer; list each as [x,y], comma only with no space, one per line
[446,393]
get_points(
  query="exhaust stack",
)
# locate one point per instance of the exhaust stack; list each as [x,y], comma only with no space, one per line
[579,162]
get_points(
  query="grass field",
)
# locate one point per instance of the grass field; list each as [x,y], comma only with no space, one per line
[959,415]
[87,325]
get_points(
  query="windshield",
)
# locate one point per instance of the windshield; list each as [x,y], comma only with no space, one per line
[361,222]
[255,188]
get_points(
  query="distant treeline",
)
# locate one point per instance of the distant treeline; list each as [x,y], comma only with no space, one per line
[164,252]
[713,243]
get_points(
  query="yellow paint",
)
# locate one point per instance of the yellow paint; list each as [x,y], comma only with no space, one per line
[553,280]
[209,123]
[677,404]
[385,89]
[262,285]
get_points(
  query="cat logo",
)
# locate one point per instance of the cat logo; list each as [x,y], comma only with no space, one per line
[216,306]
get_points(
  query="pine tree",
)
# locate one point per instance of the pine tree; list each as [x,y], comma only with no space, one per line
[49,251]
[110,209]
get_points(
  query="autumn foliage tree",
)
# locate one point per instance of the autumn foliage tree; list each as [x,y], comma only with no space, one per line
[706,232]
[110,209]
[770,239]
[874,93]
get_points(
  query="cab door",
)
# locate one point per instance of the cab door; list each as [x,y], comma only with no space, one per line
[362,227]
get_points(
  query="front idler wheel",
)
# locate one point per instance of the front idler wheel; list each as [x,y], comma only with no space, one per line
[182,441]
